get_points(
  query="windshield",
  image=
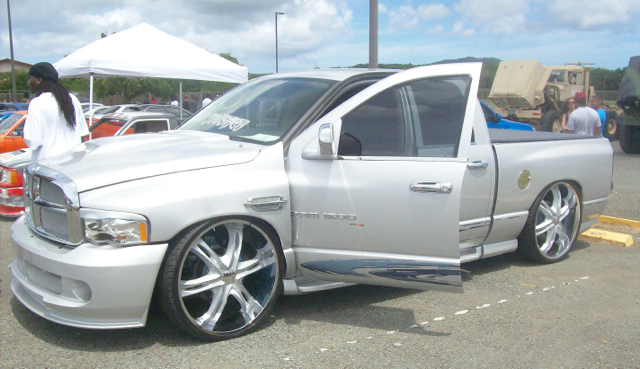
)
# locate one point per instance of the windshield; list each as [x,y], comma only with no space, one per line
[260,111]
[7,122]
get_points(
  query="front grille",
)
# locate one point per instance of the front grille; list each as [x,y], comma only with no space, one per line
[55,222]
[51,193]
[52,205]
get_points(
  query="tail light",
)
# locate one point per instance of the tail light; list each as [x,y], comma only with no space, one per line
[10,177]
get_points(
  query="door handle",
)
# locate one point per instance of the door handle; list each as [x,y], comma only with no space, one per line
[433,187]
[482,164]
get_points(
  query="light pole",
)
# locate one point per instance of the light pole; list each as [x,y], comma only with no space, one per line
[277,13]
[13,73]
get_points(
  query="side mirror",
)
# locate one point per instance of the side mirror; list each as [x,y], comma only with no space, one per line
[325,139]
[498,117]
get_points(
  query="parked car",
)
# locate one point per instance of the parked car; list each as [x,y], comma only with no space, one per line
[86,106]
[11,191]
[10,107]
[11,132]
[102,111]
[496,121]
[132,122]
[169,109]
[296,183]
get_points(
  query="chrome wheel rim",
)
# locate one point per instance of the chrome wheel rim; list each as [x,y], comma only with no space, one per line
[557,221]
[227,276]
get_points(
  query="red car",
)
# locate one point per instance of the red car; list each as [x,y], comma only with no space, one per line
[11,165]
[11,132]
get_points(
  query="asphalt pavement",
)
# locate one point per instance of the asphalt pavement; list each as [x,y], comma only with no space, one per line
[581,313]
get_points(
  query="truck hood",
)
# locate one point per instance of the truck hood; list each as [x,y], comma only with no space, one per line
[110,160]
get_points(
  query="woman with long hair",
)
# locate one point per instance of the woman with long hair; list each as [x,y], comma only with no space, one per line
[55,122]
[567,109]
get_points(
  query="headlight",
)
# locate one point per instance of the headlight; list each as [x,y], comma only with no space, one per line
[115,228]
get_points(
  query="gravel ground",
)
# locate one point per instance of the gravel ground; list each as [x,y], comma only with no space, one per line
[581,313]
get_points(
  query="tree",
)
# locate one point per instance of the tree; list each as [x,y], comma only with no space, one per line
[230,58]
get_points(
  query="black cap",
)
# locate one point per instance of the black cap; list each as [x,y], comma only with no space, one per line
[44,70]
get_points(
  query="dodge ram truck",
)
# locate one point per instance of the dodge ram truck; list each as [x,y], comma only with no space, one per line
[294,183]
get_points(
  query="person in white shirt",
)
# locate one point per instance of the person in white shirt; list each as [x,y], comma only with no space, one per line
[55,122]
[583,120]
[206,101]
[174,100]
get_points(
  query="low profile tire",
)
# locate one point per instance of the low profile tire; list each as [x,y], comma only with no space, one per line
[551,121]
[222,278]
[629,139]
[552,226]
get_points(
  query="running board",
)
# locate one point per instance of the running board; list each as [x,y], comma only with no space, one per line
[304,285]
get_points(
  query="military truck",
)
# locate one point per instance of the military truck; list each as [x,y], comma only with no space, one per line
[629,102]
[533,93]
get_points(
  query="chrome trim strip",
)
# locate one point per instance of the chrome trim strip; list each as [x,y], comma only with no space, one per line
[595,202]
[515,215]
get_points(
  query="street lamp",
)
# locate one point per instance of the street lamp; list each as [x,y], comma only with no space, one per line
[13,73]
[277,13]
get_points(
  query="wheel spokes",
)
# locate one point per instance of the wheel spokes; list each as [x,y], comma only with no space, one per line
[232,254]
[264,258]
[557,220]
[249,307]
[195,286]
[209,319]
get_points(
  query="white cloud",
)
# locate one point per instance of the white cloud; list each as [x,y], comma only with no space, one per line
[500,17]
[432,11]
[381,8]
[407,17]
[460,29]
[594,14]
[437,30]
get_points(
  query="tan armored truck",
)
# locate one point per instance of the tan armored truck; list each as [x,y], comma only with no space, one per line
[535,94]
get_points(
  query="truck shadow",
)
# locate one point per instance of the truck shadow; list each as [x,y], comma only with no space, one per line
[356,306]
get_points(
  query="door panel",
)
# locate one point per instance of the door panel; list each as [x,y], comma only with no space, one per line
[385,209]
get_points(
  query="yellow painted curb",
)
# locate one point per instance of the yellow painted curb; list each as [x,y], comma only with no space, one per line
[624,239]
[613,220]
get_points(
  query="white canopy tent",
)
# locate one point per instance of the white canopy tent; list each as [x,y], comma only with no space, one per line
[145,51]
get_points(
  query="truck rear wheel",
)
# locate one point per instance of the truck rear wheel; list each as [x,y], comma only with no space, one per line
[222,278]
[552,226]
[629,139]
[551,121]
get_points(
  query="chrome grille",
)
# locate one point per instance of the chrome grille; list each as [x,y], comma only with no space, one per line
[55,222]
[52,205]
[52,193]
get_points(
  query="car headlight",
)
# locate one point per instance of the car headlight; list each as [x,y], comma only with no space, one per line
[123,229]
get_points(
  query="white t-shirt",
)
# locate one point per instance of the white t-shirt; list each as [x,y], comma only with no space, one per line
[46,131]
[175,103]
[583,121]
[206,102]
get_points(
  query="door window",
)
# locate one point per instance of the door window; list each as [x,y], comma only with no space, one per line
[145,126]
[422,118]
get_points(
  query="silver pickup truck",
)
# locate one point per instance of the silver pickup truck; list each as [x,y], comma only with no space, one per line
[295,183]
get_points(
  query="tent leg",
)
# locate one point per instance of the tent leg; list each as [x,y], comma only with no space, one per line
[90,101]
[180,99]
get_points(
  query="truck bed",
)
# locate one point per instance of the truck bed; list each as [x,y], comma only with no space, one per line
[504,136]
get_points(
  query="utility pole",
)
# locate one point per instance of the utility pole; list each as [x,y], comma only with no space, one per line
[373,33]
[13,73]
[277,13]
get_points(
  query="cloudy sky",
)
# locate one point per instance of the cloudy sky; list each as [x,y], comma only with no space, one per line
[335,33]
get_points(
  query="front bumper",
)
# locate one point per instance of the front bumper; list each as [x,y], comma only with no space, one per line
[90,286]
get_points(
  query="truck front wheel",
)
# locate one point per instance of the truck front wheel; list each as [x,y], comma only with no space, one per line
[629,137]
[552,226]
[551,121]
[222,278]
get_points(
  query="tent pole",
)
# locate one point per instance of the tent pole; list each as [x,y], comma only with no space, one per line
[90,101]
[180,99]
